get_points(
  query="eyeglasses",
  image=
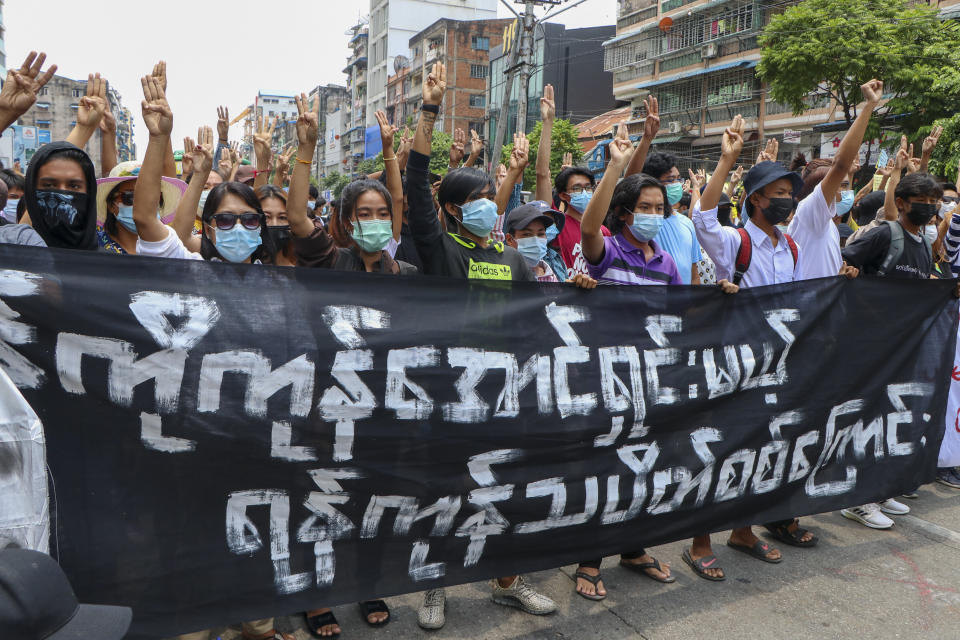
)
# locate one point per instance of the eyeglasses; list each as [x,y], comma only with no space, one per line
[227,221]
[671,181]
[576,190]
[950,199]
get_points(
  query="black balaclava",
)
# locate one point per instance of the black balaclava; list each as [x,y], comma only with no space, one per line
[82,234]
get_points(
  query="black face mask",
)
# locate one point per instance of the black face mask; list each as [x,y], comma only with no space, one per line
[920,213]
[778,210]
[64,212]
[280,235]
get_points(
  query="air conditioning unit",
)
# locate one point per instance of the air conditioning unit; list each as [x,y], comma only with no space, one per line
[710,51]
[674,126]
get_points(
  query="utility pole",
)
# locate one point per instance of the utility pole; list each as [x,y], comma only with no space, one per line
[521,58]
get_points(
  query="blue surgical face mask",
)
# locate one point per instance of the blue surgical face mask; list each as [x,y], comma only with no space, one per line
[372,235]
[238,243]
[203,199]
[646,226]
[532,249]
[311,205]
[579,201]
[674,193]
[552,233]
[479,216]
[125,217]
[783,228]
[845,203]
[10,210]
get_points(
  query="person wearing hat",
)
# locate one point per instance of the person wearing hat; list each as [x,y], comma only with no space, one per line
[526,229]
[38,603]
[116,231]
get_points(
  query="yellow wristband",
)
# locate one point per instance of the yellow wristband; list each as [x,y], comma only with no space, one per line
[389,159]
[306,162]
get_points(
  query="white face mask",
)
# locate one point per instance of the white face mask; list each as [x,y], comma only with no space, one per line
[930,232]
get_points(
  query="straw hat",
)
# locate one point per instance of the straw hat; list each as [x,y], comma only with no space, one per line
[171,189]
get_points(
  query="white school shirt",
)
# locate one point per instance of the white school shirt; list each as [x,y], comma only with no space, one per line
[768,264]
[813,229]
[170,247]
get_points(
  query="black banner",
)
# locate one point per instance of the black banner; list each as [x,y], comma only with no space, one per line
[231,442]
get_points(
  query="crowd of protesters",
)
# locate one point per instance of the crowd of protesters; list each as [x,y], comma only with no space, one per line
[641,224]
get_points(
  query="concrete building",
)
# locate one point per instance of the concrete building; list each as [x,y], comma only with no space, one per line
[3,45]
[352,139]
[702,70]
[333,101]
[54,115]
[393,23]
[464,46]
[271,106]
[569,59]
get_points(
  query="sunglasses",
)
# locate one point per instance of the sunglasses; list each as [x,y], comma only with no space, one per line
[227,221]
[126,198]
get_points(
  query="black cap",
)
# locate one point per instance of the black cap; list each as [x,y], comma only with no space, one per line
[38,603]
[525,214]
[762,174]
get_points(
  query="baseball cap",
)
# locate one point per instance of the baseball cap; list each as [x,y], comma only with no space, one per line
[38,603]
[524,215]
[245,172]
[762,174]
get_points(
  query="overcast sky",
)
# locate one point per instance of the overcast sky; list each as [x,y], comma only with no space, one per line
[217,52]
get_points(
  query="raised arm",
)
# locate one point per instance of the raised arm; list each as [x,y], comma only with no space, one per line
[476,148]
[850,145]
[591,236]
[20,90]
[730,150]
[308,130]
[169,162]
[651,125]
[902,159]
[281,165]
[392,167]
[262,141]
[200,154]
[519,158]
[548,113]
[457,146]
[421,215]
[146,196]
[108,143]
[403,151]
[90,111]
[734,181]
[929,144]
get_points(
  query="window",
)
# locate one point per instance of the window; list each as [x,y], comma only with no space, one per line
[478,127]
[45,91]
[480,43]
[75,106]
[478,71]
[478,100]
[77,93]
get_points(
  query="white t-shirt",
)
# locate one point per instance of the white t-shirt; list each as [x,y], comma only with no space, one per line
[171,247]
[817,235]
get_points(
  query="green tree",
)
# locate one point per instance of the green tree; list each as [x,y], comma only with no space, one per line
[563,140]
[440,152]
[371,165]
[826,49]
[335,182]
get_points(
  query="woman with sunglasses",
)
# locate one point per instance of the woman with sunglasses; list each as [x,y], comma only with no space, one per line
[234,225]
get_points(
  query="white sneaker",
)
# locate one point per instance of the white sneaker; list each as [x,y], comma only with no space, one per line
[431,614]
[868,515]
[523,596]
[894,508]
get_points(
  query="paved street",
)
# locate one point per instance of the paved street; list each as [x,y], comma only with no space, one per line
[901,583]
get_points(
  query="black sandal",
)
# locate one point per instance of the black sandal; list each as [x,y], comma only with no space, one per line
[580,575]
[374,606]
[782,533]
[700,566]
[758,550]
[642,567]
[315,623]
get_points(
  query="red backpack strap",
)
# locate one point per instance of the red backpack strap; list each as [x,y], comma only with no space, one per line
[744,256]
[793,248]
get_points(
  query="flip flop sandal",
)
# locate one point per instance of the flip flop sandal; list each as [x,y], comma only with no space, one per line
[374,606]
[596,597]
[315,623]
[642,570]
[794,538]
[759,550]
[700,566]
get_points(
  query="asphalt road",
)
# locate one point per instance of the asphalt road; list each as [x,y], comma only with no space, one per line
[857,583]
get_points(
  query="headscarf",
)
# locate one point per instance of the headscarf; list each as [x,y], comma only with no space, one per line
[58,235]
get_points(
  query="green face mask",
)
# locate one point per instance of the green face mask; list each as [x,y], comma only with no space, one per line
[372,235]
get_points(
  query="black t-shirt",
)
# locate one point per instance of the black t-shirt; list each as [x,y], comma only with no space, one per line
[868,252]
